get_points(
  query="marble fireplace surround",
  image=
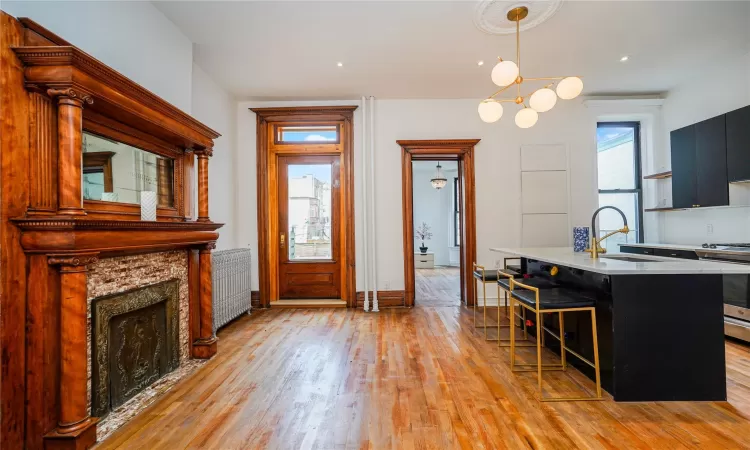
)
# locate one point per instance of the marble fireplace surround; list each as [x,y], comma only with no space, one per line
[117,275]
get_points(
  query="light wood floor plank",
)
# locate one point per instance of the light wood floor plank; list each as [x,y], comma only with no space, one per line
[417,378]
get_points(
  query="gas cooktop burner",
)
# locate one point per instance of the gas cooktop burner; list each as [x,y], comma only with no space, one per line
[739,246]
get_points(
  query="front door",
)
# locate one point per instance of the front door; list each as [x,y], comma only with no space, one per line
[309,220]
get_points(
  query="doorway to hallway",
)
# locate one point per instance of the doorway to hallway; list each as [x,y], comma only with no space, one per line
[459,192]
[437,240]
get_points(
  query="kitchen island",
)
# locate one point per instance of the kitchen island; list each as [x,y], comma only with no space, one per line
[660,321]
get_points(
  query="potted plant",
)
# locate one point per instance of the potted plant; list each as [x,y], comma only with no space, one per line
[423,233]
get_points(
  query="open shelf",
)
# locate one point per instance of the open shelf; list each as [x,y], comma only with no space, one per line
[666,208]
[658,176]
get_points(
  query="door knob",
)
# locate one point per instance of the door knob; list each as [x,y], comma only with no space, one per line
[283,240]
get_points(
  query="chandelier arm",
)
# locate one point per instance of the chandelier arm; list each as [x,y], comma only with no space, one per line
[547,78]
[499,91]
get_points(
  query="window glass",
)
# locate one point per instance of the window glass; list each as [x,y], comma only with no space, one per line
[308,133]
[610,220]
[615,157]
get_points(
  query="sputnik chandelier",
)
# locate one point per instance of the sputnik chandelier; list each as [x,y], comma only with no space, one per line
[508,73]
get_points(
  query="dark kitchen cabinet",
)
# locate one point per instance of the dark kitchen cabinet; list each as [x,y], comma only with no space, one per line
[711,160]
[699,165]
[738,144]
[684,170]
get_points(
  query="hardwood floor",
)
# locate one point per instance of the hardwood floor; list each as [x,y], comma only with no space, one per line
[406,378]
[440,286]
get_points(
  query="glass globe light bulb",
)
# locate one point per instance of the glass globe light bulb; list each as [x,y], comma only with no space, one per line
[543,100]
[504,73]
[490,110]
[526,118]
[569,88]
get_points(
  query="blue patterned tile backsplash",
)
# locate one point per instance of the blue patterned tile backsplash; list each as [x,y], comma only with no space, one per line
[580,238]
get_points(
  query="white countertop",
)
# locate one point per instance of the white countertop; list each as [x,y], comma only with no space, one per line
[565,256]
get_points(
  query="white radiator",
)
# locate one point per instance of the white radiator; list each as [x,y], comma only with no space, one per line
[231,285]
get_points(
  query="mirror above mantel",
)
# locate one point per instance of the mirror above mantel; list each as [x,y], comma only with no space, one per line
[117,172]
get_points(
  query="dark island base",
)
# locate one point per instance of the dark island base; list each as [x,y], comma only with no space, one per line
[661,337]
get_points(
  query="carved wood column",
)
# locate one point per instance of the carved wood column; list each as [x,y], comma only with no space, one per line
[75,428]
[204,346]
[203,156]
[70,154]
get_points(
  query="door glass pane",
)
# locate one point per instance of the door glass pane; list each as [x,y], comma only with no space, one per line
[610,220]
[615,157]
[309,214]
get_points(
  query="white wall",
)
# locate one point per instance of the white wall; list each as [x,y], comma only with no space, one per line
[434,207]
[134,38]
[497,170]
[216,108]
[724,89]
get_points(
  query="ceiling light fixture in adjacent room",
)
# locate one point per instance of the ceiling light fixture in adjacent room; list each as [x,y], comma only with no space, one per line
[439,181]
[480,63]
[508,73]
[624,58]
[340,64]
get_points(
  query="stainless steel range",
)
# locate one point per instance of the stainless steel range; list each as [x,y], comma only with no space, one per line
[736,287]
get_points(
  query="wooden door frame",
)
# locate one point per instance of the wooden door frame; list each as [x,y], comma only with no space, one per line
[266,119]
[461,150]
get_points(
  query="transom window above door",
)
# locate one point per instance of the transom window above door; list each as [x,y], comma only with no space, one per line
[304,134]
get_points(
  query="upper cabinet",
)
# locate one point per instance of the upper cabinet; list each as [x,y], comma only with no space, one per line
[684,169]
[699,164]
[711,160]
[738,144]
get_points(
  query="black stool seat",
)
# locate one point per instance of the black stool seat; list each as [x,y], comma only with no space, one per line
[533,282]
[491,274]
[555,298]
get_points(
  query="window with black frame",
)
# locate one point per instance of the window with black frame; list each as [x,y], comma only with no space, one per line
[618,150]
[456,215]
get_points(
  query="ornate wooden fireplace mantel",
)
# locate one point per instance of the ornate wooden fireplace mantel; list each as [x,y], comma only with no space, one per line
[52,94]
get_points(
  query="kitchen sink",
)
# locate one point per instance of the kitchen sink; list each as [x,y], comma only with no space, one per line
[631,258]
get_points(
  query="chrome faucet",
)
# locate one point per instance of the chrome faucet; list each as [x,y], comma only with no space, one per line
[596,249]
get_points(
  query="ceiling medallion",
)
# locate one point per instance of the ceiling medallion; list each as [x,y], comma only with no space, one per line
[491,15]
[508,73]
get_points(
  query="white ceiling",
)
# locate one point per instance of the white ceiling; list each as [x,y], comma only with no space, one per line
[429,49]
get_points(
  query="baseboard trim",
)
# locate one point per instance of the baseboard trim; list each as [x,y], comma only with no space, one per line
[386,299]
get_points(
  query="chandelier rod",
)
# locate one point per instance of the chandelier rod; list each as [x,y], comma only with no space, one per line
[518,52]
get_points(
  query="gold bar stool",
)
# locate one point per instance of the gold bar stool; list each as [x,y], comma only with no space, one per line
[503,284]
[553,300]
[485,276]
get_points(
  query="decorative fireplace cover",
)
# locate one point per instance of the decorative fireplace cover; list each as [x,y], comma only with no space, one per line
[135,341]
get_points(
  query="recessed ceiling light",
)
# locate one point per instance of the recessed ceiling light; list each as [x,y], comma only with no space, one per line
[624,58]
[480,63]
[340,64]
